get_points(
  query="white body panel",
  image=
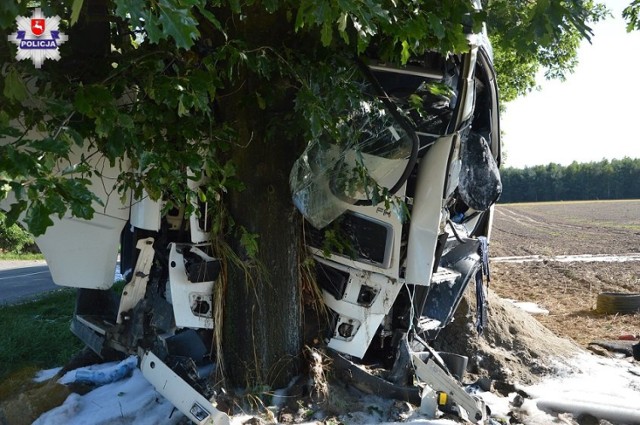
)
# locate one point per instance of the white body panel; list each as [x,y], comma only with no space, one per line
[191,403]
[393,223]
[185,293]
[427,212]
[83,253]
[198,234]
[364,319]
[134,291]
[145,213]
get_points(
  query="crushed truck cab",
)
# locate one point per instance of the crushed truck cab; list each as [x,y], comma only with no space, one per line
[412,192]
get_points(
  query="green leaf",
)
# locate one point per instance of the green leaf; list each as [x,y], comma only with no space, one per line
[79,197]
[261,102]
[8,12]
[75,136]
[235,6]
[436,26]
[178,23]
[415,101]
[249,242]
[14,212]
[9,131]
[93,100]
[342,22]
[125,121]
[5,119]
[212,18]
[82,210]
[326,34]
[229,169]
[405,54]
[57,146]
[182,110]
[440,89]
[134,10]
[202,195]
[14,87]
[55,204]
[153,29]
[76,7]
[37,218]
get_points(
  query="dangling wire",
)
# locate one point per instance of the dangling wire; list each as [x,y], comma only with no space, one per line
[411,295]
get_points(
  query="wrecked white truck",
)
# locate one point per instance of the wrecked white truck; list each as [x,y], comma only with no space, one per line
[411,193]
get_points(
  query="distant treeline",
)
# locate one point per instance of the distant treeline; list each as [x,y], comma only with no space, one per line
[615,179]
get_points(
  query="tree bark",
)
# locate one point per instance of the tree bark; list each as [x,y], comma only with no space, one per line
[262,333]
[262,317]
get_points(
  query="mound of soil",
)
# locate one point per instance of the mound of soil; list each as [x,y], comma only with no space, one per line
[514,346]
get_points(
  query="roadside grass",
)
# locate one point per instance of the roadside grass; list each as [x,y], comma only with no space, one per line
[20,256]
[35,335]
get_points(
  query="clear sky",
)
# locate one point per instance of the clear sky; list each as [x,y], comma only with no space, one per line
[594,114]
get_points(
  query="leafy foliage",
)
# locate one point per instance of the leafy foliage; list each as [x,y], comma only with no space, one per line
[154,103]
[532,36]
[13,238]
[632,14]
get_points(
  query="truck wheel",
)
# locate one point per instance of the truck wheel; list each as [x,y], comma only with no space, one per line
[616,302]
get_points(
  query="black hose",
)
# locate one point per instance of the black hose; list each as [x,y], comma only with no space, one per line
[455,233]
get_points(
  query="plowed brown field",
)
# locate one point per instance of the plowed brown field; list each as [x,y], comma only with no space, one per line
[569,289]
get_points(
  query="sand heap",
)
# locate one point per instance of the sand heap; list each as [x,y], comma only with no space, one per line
[514,346]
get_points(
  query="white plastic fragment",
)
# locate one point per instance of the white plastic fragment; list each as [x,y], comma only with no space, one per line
[98,376]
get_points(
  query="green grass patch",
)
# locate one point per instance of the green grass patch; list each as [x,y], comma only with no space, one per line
[36,334]
[20,256]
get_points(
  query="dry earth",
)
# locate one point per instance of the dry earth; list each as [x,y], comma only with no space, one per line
[569,289]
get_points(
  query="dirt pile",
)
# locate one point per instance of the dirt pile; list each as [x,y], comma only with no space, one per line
[514,346]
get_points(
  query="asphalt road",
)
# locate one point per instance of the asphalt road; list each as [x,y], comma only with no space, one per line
[23,280]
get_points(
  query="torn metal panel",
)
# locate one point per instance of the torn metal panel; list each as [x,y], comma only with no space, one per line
[438,380]
[427,214]
[134,291]
[365,301]
[191,297]
[175,389]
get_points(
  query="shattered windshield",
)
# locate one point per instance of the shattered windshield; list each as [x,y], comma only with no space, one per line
[369,156]
[374,145]
[428,103]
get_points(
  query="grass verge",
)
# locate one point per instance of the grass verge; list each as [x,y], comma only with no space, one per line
[20,256]
[36,335]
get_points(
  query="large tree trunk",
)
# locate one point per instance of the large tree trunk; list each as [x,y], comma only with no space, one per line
[262,317]
[262,334]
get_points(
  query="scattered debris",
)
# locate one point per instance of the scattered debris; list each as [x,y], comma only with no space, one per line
[99,375]
[529,307]
[600,351]
[618,303]
[615,346]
